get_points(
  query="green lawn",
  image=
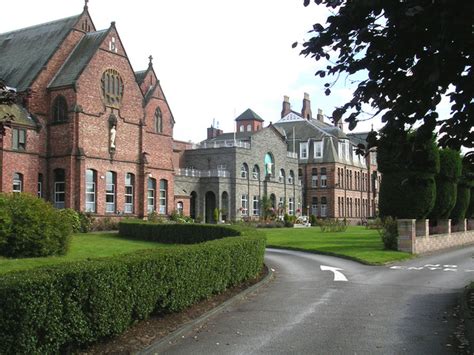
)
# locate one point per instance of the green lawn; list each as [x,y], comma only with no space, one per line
[83,246]
[356,243]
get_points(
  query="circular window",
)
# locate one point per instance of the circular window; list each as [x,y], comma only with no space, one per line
[112,88]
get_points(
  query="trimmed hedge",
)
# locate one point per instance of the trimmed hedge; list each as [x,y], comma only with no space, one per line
[466,182]
[175,233]
[56,309]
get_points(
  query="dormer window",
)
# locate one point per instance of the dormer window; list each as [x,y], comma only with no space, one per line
[304,150]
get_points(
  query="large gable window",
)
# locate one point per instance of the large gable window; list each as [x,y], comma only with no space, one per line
[112,88]
[59,109]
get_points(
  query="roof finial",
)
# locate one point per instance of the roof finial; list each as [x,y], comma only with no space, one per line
[150,63]
[85,4]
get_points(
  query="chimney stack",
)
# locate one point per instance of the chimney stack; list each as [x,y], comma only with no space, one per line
[286,106]
[320,115]
[213,132]
[306,110]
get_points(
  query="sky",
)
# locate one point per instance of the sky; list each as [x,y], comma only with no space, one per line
[214,58]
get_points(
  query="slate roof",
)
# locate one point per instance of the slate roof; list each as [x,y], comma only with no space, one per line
[78,59]
[19,113]
[26,51]
[249,115]
[140,76]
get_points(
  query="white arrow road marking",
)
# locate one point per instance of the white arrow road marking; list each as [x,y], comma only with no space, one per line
[338,276]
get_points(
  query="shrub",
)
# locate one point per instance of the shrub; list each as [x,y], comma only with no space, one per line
[389,233]
[86,221]
[288,220]
[72,217]
[332,225]
[446,183]
[312,220]
[408,163]
[466,182]
[54,309]
[31,227]
[104,224]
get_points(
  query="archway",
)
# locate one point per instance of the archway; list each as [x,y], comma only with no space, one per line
[210,206]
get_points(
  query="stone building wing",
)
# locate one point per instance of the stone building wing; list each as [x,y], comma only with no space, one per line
[25,52]
[79,58]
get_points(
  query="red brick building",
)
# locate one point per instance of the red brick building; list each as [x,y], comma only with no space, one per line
[94,135]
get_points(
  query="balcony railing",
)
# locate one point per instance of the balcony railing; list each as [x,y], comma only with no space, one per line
[203,173]
[222,144]
[292,155]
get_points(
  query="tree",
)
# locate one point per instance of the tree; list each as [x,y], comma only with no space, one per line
[463,199]
[412,52]
[446,183]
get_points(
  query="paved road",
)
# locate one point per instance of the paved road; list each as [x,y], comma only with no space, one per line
[400,309]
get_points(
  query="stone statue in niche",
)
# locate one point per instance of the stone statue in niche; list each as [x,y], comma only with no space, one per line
[269,168]
[113,133]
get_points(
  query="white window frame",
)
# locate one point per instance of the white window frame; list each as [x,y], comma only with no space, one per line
[291,206]
[244,171]
[255,173]
[249,128]
[324,181]
[129,194]
[59,192]
[244,201]
[318,149]
[163,197]
[281,175]
[17,183]
[150,196]
[348,146]
[242,128]
[110,192]
[91,191]
[255,206]
[304,150]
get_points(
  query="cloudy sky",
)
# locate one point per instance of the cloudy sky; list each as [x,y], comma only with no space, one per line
[214,58]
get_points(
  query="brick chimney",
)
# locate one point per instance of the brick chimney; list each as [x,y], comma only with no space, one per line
[213,132]
[306,110]
[286,106]
[320,115]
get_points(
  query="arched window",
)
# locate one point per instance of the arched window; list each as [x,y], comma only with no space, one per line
[91,181]
[291,177]
[112,88]
[151,194]
[17,182]
[59,190]
[242,128]
[281,176]
[249,128]
[256,172]
[323,206]
[110,191]
[158,123]
[269,164]
[59,109]
[129,192]
[244,171]
[163,196]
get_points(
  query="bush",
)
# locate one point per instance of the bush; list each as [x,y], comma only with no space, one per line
[104,224]
[58,308]
[389,233]
[333,225]
[288,220]
[31,227]
[463,200]
[86,221]
[72,217]
[312,220]
[446,184]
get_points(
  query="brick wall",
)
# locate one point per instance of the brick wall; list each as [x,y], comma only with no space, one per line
[414,237]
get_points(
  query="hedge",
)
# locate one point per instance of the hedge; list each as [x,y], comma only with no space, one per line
[56,309]
[175,233]
[463,200]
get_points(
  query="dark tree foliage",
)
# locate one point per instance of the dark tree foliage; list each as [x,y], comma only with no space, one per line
[470,209]
[463,199]
[409,163]
[412,52]
[446,183]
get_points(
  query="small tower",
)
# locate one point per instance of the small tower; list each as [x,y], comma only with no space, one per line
[249,121]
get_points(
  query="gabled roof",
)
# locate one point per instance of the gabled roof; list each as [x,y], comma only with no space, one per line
[78,59]
[19,115]
[140,76]
[25,52]
[249,115]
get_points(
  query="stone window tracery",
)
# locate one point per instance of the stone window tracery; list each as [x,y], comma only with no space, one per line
[112,88]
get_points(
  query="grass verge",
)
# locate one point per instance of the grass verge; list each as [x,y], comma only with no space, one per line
[83,246]
[356,243]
